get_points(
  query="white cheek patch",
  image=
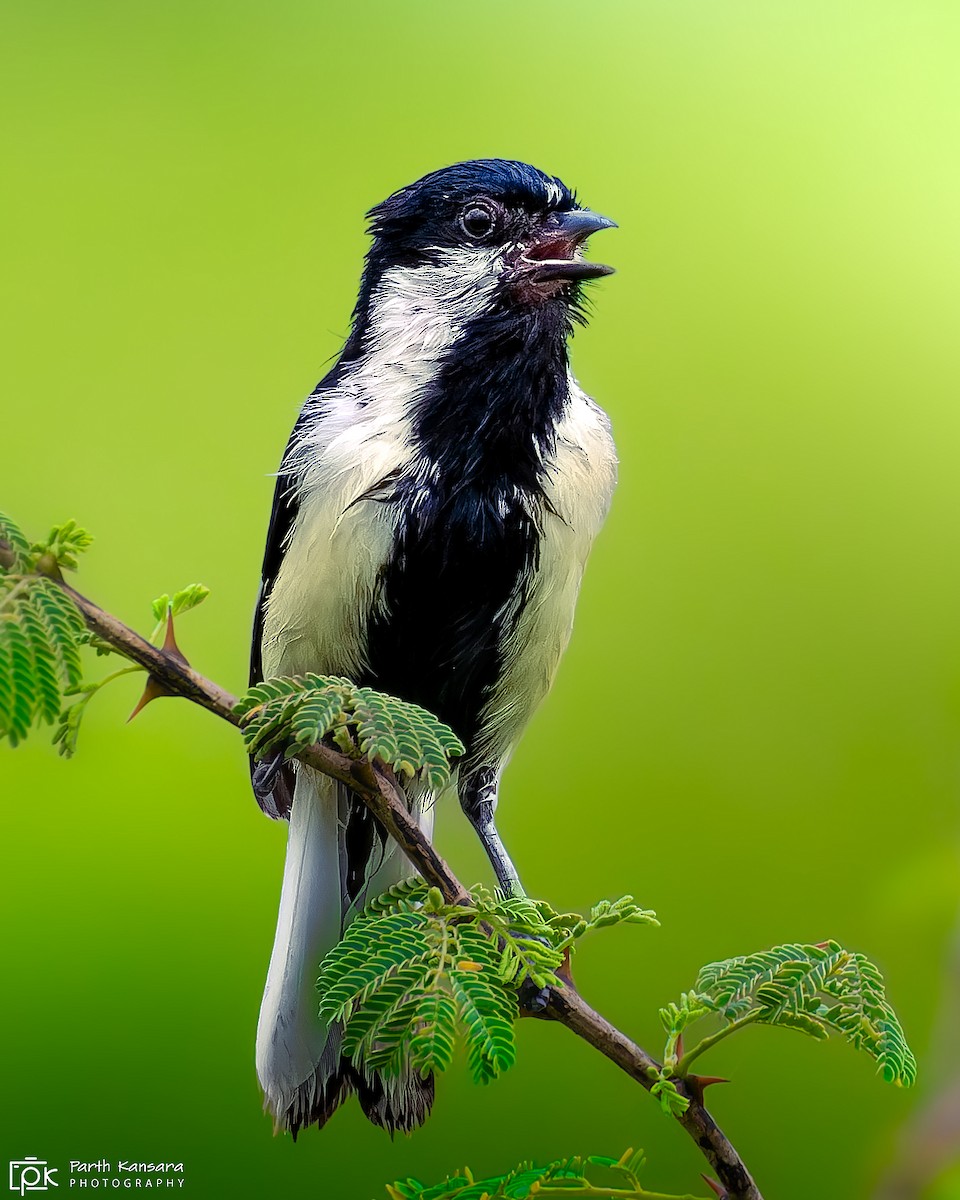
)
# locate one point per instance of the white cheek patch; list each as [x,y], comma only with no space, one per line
[419,311]
[417,315]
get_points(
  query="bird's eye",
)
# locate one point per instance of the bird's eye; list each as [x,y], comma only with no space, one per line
[477,220]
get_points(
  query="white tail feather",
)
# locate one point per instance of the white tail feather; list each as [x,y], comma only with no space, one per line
[298,1057]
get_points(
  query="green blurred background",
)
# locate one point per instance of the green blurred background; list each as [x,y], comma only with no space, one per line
[772,613]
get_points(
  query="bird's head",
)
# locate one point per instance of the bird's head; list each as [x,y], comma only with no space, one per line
[486,233]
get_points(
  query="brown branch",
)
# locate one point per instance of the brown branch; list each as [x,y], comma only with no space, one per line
[176,675]
[379,790]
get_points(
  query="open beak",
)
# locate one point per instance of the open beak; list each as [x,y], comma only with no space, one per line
[555,254]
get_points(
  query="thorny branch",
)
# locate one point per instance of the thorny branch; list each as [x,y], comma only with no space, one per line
[170,674]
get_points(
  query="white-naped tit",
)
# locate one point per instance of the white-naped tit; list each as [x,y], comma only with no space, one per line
[432,517]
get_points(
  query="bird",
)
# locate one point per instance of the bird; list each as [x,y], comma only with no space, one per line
[432,517]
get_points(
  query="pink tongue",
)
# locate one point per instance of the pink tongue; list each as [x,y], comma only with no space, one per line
[551,248]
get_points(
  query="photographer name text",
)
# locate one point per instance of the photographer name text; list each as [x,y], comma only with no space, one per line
[126,1174]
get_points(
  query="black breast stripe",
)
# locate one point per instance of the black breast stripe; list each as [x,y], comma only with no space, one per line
[451,591]
[469,531]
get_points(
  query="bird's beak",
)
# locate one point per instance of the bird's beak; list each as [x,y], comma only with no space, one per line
[555,252]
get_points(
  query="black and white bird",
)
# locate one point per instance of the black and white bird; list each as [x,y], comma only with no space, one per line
[432,517]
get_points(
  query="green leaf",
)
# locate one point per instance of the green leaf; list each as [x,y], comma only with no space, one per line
[68,728]
[412,974]
[181,602]
[814,989]
[41,634]
[671,1102]
[46,664]
[487,1012]
[65,542]
[433,1041]
[12,533]
[39,654]
[617,912]
[595,1176]
[65,623]
[299,711]
[18,660]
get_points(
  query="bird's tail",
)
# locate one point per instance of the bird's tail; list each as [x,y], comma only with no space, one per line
[334,863]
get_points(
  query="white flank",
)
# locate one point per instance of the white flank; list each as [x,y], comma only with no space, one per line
[580,478]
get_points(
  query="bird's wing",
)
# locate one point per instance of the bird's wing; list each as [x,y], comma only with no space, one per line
[272,779]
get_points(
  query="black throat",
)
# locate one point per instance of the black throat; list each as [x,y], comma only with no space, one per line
[489,420]
[470,518]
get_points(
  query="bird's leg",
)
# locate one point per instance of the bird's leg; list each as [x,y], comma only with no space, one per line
[479,802]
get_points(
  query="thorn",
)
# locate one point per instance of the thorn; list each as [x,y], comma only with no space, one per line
[153,689]
[564,971]
[714,1186]
[705,1081]
[170,647]
[697,1083]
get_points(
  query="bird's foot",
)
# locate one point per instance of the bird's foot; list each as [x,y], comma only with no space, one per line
[533,1000]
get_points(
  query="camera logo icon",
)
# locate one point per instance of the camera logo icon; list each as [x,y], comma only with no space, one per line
[31,1175]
